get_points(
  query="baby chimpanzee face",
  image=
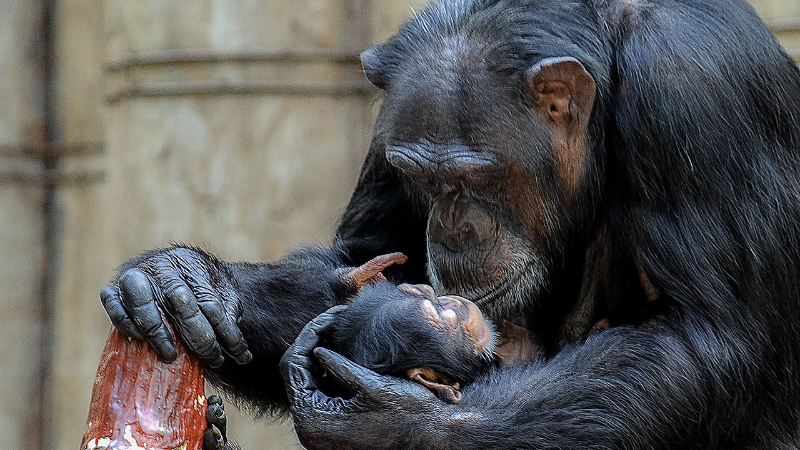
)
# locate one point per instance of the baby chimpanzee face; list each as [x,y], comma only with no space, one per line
[453,314]
[441,342]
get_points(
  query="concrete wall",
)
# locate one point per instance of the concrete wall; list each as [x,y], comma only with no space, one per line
[783,16]
[19,224]
[245,176]
[245,154]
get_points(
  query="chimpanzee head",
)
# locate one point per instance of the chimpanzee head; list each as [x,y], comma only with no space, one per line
[495,136]
[442,343]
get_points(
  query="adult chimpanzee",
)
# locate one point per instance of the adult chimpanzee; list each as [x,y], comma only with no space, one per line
[557,162]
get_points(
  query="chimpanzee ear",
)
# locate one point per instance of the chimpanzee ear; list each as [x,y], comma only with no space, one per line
[444,388]
[563,92]
[374,68]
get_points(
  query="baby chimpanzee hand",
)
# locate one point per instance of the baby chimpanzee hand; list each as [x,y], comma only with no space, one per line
[215,437]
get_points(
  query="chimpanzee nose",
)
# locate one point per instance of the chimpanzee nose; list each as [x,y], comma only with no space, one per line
[458,224]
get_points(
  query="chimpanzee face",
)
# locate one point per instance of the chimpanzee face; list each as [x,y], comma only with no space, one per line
[495,153]
[440,342]
[452,315]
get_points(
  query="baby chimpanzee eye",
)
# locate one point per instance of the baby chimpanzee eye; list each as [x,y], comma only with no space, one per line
[450,317]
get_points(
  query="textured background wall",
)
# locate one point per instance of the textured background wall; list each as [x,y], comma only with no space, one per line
[19,224]
[176,121]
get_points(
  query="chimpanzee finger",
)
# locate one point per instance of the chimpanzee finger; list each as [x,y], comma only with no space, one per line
[192,325]
[309,336]
[138,299]
[212,439]
[229,335]
[215,415]
[116,312]
[370,271]
[372,386]
[297,364]
[212,302]
[358,378]
[382,262]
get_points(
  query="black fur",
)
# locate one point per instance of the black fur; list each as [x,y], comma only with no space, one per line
[278,299]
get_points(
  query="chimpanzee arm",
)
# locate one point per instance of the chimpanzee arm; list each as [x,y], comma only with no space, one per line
[252,312]
[627,387]
[277,299]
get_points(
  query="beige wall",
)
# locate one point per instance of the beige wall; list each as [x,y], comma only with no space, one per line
[246,176]
[19,225]
[783,16]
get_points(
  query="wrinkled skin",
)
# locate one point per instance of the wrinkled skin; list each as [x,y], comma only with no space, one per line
[356,417]
[194,296]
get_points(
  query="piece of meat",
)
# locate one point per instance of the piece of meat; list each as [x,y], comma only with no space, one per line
[141,403]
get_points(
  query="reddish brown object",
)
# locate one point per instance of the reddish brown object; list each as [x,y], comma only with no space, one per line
[370,271]
[140,402]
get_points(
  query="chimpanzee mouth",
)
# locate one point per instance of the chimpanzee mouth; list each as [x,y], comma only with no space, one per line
[502,273]
[516,285]
[498,292]
[524,279]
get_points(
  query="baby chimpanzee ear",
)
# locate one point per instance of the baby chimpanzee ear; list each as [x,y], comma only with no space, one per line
[444,388]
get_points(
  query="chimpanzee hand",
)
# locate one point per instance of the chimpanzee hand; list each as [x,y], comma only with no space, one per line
[215,436]
[372,418]
[193,289]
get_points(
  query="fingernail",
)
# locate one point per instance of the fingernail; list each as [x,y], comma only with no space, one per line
[217,362]
[245,358]
[321,353]
[169,355]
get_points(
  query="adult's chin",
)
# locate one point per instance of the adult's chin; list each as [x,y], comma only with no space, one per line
[496,288]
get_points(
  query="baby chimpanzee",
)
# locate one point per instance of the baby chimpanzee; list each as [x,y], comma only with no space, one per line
[441,342]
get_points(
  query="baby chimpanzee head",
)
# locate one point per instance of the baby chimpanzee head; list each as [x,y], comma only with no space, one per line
[441,342]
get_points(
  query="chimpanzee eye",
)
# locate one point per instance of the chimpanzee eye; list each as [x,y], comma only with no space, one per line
[450,317]
[428,309]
